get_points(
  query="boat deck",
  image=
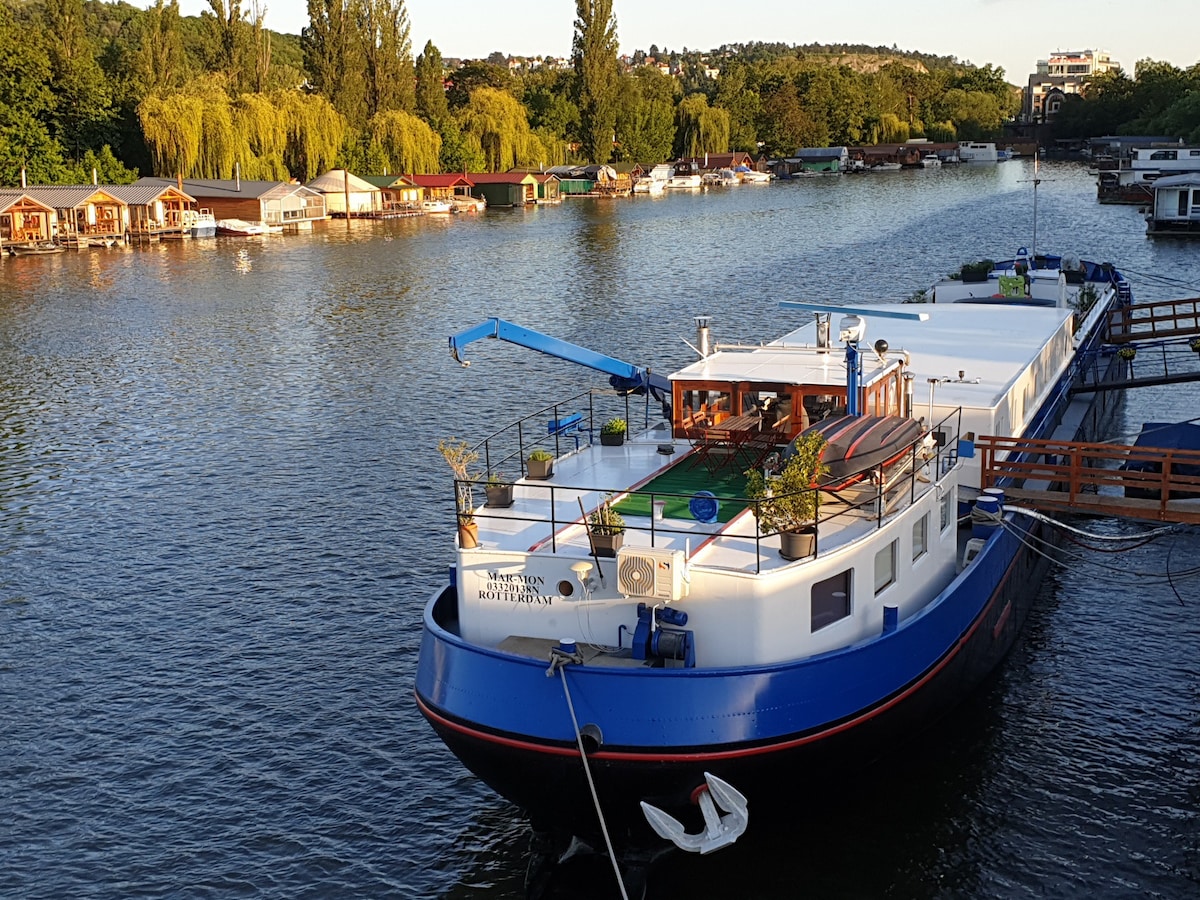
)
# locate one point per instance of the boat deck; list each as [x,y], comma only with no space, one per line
[546,516]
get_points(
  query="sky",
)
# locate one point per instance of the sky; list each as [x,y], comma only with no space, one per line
[1009,34]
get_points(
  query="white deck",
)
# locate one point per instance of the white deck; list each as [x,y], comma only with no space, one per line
[594,472]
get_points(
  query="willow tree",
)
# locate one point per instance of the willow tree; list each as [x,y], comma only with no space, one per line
[699,128]
[384,35]
[171,127]
[261,133]
[595,58]
[315,133]
[405,142]
[496,119]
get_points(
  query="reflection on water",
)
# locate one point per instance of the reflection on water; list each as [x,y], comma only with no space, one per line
[221,512]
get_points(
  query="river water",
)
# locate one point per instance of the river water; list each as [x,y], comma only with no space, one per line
[222,510]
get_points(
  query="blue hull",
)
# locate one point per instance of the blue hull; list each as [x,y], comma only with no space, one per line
[772,731]
[760,729]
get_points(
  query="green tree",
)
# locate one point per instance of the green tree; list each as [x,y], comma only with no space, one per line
[333,57]
[384,33]
[645,125]
[742,103]
[160,64]
[431,103]
[547,97]
[466,78]
[595,57]
[229,48]
[25,99]
[461,152]
[699,128]
[498,123]
[83,116]
[406,143]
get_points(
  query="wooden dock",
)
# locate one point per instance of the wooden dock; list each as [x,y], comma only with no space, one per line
[1088,478]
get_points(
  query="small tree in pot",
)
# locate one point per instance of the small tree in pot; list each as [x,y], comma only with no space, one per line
[787,505]
[460,458]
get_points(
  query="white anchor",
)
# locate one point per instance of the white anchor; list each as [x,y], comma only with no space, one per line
[719,831]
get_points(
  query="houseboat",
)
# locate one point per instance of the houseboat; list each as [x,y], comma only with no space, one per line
[722,656]
[977,151]
[1175,211]
[1132,180]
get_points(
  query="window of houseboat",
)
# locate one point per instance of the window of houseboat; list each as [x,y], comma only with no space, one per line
[948,506]
[830,601]
[885,568]
[920,537]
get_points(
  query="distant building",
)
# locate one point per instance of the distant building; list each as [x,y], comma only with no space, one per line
[1065,72]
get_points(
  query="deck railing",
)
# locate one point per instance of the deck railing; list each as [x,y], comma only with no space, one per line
[1106,479]
[878,493]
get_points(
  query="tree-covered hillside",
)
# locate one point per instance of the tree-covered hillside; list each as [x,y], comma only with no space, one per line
[89,85]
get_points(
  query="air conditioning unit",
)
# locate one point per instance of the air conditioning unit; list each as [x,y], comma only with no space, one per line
[647,572]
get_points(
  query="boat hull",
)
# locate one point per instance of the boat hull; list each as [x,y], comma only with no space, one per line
[775,750]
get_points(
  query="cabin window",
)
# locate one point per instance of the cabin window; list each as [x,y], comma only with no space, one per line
[830,600]
[885,568]
[920,537]
[948,505]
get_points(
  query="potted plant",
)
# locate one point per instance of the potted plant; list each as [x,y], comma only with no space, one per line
[499,490]
[606,529]
[787,504]
[540,464]
[976,272]
[612,432]
[1127,352]
[460,458]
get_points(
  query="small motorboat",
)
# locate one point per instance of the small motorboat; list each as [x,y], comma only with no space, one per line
[931,161]
[436,207]
[240,228]
[37,248]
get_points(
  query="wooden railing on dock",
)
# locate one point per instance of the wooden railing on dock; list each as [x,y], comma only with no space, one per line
[1154,321]
[1089,478]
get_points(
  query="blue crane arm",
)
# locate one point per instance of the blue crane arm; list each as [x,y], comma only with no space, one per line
[623,376]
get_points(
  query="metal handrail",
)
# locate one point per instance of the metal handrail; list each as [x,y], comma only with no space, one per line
[943,460]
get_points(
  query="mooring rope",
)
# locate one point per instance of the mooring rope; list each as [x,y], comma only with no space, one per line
[559,660]
[1042,517]
[1125,575]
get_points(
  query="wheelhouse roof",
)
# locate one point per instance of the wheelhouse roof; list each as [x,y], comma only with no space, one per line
[992,343]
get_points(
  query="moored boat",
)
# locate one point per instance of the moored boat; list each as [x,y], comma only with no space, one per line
[977,151]
[436,207]
[931,161]
[35,248]
[240,228]
[700,661]
[199,223]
